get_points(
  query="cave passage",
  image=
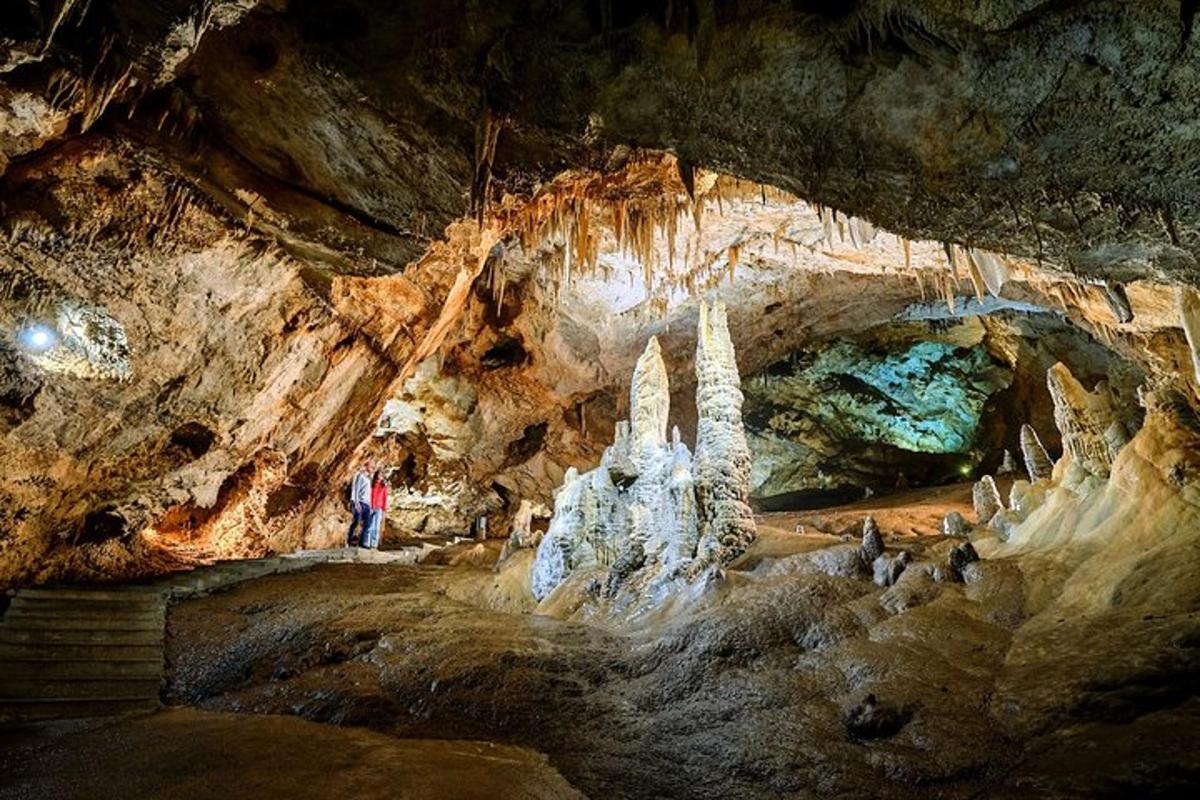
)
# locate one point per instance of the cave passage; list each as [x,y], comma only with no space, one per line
[775,399]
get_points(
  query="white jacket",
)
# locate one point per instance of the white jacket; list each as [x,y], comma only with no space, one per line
[360,490]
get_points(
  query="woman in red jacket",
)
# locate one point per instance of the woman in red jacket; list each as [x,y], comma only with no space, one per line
[379,495]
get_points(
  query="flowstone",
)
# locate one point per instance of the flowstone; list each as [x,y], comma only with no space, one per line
[652,509]
[1091,433]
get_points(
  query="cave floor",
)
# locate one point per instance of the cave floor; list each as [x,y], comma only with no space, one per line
[915,512]
[183,753]
[747,690]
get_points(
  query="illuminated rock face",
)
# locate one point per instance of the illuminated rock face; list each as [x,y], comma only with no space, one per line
[650,509]
[1091,433]
[848,416]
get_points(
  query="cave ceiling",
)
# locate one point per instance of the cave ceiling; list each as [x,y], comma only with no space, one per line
[1055,131]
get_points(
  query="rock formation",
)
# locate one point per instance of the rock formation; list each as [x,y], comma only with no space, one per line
[1091,433]
[722,457]
[960,557]
[953,524]
[650,505]
[985,497]
[1189,319]
[872,541]
[1037,461]
[886,570]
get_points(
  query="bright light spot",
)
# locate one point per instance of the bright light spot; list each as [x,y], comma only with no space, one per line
[38,338]
[965,469]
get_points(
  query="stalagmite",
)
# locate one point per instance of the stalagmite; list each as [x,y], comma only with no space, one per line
[985,497]
[953,524]
[1008,465]
[649,404]
[872,541]
[1037,461]
[722,456]
[1083,419]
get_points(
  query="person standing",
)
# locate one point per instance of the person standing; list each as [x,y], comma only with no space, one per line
[379,497]
[360,504]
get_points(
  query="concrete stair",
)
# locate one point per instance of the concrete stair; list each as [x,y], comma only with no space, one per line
[76,652]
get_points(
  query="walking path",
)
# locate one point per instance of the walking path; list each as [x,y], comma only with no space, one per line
[79,651]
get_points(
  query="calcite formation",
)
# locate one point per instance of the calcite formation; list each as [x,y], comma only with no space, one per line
[1189,318]
[1091,432]
[722,456]
[986,499]
[651,506]
[953,524]
[1037,461]
[872,542]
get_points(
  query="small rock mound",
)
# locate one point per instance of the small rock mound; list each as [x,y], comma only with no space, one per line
[872,719]
[959,558]
[953,524]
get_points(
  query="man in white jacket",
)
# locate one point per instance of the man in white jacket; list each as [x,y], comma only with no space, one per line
[360,504]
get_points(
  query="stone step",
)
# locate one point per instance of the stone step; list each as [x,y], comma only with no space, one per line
[54,604]
[65,708]
[22,618]
[86,652]
[94,623]
[128,594]
[78,668]
[129,687]
[10,635]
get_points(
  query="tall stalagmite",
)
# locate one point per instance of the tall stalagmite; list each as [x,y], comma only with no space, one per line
[722,456]
[1033,453]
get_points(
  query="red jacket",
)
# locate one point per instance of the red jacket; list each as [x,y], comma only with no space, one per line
[379,497]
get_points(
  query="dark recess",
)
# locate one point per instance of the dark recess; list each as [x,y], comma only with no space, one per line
[521,450]
[508,352]
[102,525]
[193,438]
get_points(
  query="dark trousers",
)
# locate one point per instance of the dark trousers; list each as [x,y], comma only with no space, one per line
[361,518]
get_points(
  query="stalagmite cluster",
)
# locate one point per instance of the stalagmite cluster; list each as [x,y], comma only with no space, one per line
[650,507]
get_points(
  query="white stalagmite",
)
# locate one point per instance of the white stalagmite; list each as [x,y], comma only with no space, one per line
[649,404]
[985,497]
[650,513]
[1033,453]
[722,456]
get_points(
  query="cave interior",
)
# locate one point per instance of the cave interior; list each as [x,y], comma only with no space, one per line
[774,398]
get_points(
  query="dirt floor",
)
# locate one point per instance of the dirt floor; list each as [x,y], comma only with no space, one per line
[757,688]
[184,754]
[917,512]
